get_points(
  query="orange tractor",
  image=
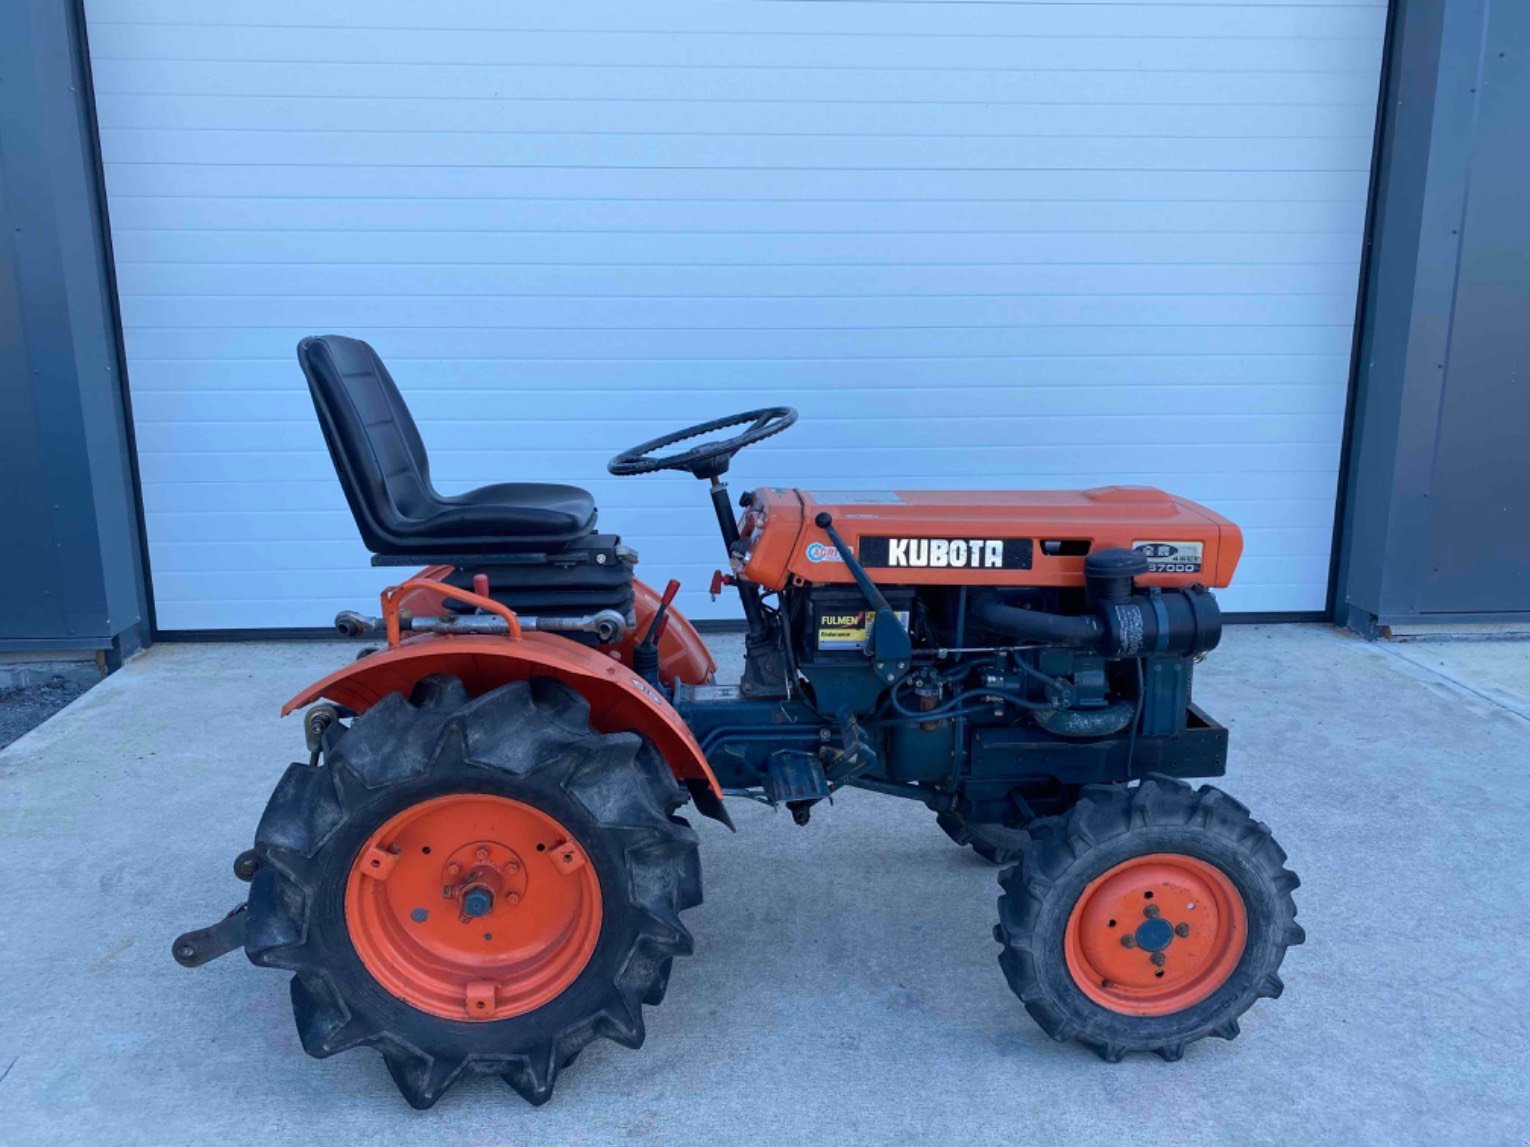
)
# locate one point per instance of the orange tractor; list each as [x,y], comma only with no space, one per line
[482,866]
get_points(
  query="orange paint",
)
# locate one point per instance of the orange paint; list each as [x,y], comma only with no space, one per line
[1181,906]
[779,532]
[417,590]
[414,891]
[618,698]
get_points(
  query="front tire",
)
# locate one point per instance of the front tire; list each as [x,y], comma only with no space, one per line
[1146,918]
[480,885]
[995,843]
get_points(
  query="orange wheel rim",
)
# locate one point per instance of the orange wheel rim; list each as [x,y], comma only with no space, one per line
[1155,934]
[473,907]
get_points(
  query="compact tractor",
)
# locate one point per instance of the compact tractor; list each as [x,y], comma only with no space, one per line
[481,866]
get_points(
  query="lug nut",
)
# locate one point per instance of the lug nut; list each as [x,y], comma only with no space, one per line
[1151,912]
[1157,959]
[1128,941]
[1182,930]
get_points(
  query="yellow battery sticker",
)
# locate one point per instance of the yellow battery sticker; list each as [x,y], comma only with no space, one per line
[850,629]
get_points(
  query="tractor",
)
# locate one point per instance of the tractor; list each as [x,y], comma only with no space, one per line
[481,866]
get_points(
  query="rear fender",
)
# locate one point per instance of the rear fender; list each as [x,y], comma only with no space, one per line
[619,699]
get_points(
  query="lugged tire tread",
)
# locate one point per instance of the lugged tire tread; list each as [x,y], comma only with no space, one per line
[1103,813]
[994,843]
[521,729]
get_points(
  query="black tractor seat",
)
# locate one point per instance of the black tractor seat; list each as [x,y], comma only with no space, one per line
[383,468]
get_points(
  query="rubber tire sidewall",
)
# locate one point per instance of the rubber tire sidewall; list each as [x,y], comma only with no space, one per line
[1261,952]
[433,1034]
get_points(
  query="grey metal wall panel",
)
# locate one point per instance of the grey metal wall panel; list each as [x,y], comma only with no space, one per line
[1008,244]
[1439,507]
[1480,541]
[72,572]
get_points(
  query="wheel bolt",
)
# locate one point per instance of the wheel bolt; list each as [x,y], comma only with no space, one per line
[1157,959]
[1151,912]
[1128,941]
[1182,930]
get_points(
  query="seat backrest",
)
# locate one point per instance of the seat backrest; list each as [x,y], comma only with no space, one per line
[376,447]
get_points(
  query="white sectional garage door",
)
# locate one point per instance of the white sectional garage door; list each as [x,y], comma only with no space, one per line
[977,244]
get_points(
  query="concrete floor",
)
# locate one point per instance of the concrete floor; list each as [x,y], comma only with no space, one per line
[845,986]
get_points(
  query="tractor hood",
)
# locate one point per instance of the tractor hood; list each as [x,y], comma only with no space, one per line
[983,537]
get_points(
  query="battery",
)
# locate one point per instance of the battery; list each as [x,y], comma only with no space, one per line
[840,622]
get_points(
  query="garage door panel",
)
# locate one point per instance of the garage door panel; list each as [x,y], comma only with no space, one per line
[409,284]
[743,314]
[874,429]
[976,244]
[1303,18]
[1001,402]
[217,387]
[343,80]
[850,467]
[159,261]
[1079,47]
[275,344]
[242,219]
[715,149]
[805,185]
[768,118]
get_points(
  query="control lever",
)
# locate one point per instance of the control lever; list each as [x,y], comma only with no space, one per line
[891,647]
[645,654]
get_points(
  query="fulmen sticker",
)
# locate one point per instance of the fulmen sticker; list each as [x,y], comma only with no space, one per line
[849,630]
[1171,557]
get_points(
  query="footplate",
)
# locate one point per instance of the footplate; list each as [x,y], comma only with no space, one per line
[193,949]
[792,776]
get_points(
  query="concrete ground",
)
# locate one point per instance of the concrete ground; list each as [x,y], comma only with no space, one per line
[844,987]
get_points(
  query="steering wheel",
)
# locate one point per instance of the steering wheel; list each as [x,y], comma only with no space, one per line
[709,459]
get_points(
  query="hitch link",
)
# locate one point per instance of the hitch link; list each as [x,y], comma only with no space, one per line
[193,949]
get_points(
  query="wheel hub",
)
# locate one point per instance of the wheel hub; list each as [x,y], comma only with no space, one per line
[503,925]
[1155,934]
[483,876]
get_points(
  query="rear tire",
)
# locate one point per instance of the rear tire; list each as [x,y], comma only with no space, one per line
[526,744]
[1146,918]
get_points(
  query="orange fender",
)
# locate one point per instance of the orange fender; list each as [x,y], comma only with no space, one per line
[619,699]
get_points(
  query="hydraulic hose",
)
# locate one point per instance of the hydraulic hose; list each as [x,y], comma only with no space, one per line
[1033,625]
[1181,622]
